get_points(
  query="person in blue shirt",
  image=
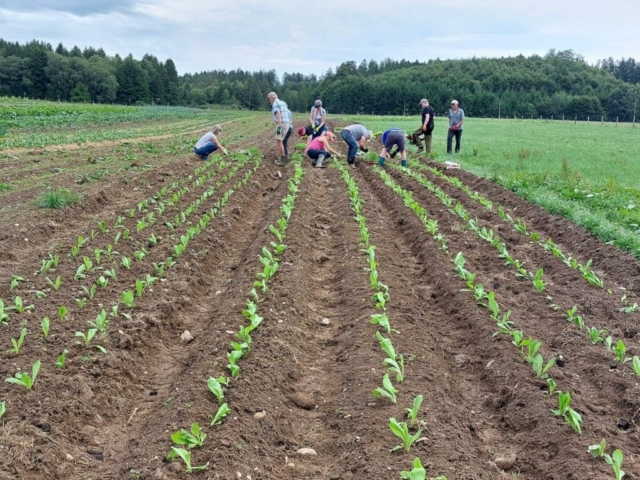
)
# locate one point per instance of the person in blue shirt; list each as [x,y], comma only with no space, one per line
[283,118]
[390,138]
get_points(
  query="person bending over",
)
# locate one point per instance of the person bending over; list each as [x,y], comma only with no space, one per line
[209,143]
[355,137]
[390,138]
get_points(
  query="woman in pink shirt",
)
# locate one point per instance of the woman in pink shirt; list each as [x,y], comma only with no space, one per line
[318,149]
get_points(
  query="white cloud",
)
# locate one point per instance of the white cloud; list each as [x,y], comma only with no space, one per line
[298,36]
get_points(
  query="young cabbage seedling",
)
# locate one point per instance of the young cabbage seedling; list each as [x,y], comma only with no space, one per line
[45,326]
[15,280]
[387,390]
[597,451]
[62,359]
[216,388]
[382,320]
[192,439]
[412,413]
[54,284]
[596,335]
[126,262]
[62,313]
[24,379]
[552,385]
[17,344]
[401,430]
[615,460]
[620,351]
[86,338]
[2,409]
[19,306]
[127,298]
[185,455]
[417,472]
[539,369]
[101,324]
[223,411]
[635,364]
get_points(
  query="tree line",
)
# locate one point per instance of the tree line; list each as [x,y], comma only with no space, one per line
[557,84]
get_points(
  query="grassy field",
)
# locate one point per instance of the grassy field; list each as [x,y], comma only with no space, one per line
[587,172]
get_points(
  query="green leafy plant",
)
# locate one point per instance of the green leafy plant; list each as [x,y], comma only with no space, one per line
[635,364]
[54,284]
[223,411]
[401,430]
[19,306]
[538,283]
[417,472]
[192,439]
[596,335]
[393,361]
[382,320]
[127,298]
[4,317]
[45,326]
[215,386]
[552,385]
[90,292]
[81,302]
[539,368]
[572,316]
[569,414]
[17,344]
[15,280]
[87,337]
[620,352]
[3,409]
[126,262]
[101,323]
[597,451]
[62,359]
[615,460]
[412,413]
[139,287]
[24,379]
[185,455]
[387,390]
[62,313]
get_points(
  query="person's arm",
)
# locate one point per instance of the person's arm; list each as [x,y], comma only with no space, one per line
[325,142]
[363,143]
[215,140]
[426,121]
[323,120]
[461,118]
[311,116]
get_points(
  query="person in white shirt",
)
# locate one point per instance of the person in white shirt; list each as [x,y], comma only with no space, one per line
[209,143]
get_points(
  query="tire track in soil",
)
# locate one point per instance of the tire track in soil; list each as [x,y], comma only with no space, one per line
[170,371]
[514,413]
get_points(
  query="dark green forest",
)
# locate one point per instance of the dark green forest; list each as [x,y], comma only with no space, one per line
[557,84]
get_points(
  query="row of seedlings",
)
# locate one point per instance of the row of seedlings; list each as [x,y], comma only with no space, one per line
[393,362]
[270,261]
[98,327]
[529,347]
[520,226]
[596,335]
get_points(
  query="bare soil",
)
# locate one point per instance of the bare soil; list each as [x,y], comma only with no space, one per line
[315,360]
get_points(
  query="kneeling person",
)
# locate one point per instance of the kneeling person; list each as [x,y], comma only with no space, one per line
[318,150]
[390,138]
[209,143]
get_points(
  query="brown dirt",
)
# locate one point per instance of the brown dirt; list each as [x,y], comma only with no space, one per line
[110,416]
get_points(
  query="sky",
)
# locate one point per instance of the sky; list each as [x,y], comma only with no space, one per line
[313,36]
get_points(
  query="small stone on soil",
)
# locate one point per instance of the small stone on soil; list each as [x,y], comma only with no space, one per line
[304,401]
[260,415]
[69,457]
[186,337]
[306,451]
[505,461]
[326,321]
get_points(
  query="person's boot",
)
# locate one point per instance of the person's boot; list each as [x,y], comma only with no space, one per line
[403,163]
[319,161]
[283,161]
[380,161]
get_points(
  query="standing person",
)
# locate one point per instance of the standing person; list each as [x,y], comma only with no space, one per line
[356,137]
[456,119]
[318,118]
[426,128]
[319,150]
[282,117]
[391,137]
[209,143]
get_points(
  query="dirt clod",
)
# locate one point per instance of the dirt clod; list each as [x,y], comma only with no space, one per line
[306,451]
[505,461]
[303,400]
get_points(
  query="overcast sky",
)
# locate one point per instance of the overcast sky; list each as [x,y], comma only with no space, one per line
[312,36]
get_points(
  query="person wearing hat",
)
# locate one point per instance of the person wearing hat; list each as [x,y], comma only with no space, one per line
[283,118]
[390,138]
[319,150]
[209,143]
[426,128]
[456,119]
[318,118]
[355,137]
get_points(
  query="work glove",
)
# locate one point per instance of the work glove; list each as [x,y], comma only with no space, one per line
[364,149]
[315,128]
[278,130]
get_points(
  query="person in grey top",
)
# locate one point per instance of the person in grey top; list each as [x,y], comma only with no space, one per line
[318,119]
[456,119]
[355,136]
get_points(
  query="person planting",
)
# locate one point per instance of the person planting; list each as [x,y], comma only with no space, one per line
[456,119]
[282,117]
[317,119]
[355,137]
[209,143]
[319,150]
[390,138]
